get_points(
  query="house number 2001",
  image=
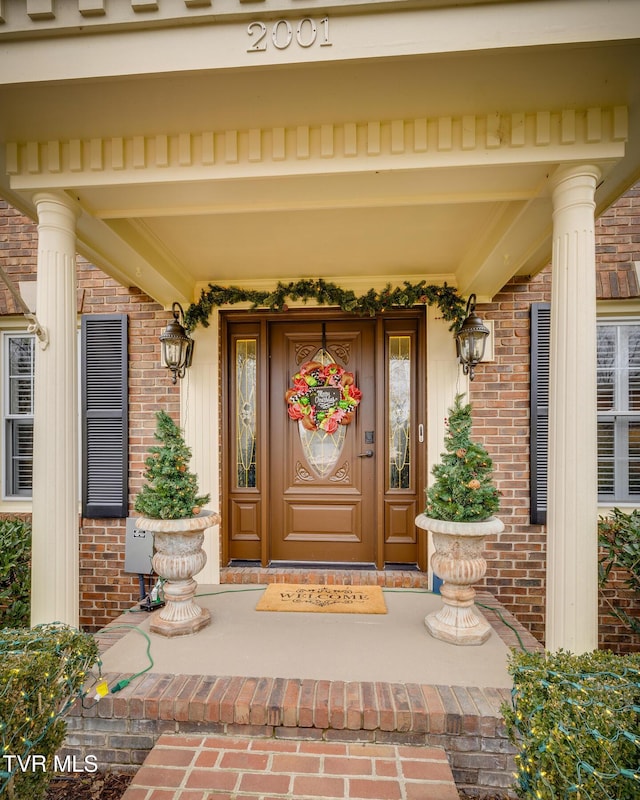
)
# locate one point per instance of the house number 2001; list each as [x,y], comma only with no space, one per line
[307,33]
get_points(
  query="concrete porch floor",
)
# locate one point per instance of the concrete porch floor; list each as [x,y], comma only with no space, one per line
[391,648]
[375,680]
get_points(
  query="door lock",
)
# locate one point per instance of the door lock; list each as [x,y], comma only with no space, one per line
[366,454]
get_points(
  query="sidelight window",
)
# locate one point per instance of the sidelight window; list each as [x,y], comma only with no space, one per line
[399,411]
[246,412]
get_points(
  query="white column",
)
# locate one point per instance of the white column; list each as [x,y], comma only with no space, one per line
[199,396]
[572,513]
[444,381]
[54,592]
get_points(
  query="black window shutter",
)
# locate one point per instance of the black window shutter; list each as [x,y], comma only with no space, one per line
[540,346]
[105,432]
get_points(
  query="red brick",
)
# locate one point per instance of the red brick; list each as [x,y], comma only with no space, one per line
[337,705]
[426,770]
[208,759]
[274,745]
[377,789]
[159,776]
[385,768]
[321,704]
[241,760]
[169,757]
[265,783]
[348,766]
[295,763]
[324,748]
[321,786]
[212,779]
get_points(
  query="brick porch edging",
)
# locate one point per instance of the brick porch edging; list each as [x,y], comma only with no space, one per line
[121,728]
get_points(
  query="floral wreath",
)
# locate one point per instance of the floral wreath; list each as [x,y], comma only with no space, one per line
[323,409]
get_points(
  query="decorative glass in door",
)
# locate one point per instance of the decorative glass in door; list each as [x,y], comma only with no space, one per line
[322,448]
[246,412]
[399,410]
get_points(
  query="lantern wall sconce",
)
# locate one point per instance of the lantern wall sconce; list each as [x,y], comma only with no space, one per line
[177,345]
[471,339]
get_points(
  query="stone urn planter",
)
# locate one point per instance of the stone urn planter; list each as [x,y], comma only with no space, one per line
[178,557]
[458,559]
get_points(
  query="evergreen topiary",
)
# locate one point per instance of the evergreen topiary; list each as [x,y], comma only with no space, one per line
[463,490]
[171,491]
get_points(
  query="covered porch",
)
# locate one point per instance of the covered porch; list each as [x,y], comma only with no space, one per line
[366,144]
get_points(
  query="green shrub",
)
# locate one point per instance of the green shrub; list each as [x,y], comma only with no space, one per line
[15,573]
[576,722]
[42,670]
[619,540]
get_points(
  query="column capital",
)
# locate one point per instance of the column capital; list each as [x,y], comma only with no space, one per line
[574,185]
[57,209]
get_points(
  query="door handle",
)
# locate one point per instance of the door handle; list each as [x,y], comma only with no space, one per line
[366,454]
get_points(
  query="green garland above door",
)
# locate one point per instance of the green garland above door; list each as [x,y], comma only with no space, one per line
[326,293]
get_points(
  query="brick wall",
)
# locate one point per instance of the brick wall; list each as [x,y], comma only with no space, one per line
[618,248]
[105,589]
[500,398]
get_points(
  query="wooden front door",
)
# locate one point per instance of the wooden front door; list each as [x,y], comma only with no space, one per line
[322,498]
[295,495]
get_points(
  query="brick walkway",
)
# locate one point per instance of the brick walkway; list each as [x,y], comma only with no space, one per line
[231,768]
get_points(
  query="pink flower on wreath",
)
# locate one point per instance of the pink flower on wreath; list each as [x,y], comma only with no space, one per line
[354,392]
[294,412]
[329,424]
[299,384]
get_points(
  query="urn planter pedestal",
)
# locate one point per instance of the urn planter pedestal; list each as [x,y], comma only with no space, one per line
[459,561]
[178,557]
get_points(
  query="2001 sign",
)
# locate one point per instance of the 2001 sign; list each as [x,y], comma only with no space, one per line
[307,33]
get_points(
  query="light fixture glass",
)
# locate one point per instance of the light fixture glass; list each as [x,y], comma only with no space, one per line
[177,345]
[471,339]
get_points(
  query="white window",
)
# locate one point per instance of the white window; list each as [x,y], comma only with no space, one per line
[619,411]
[17,379]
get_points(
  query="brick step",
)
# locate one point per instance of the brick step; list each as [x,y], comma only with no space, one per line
[389,578]
[235,768]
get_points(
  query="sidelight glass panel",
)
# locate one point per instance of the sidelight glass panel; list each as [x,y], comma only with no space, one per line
[246,412]
[399,405]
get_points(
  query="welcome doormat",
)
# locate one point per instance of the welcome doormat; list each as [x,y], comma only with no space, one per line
[323,599]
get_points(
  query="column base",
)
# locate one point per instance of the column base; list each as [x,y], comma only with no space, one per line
[462,626]
[184,627]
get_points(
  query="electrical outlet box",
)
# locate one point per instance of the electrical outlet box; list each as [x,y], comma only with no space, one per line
[138,550]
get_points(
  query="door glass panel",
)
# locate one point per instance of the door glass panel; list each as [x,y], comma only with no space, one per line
[399,411]
[322,449]
[246,412]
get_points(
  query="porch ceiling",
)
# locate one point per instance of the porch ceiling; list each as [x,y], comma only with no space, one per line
[432,165]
